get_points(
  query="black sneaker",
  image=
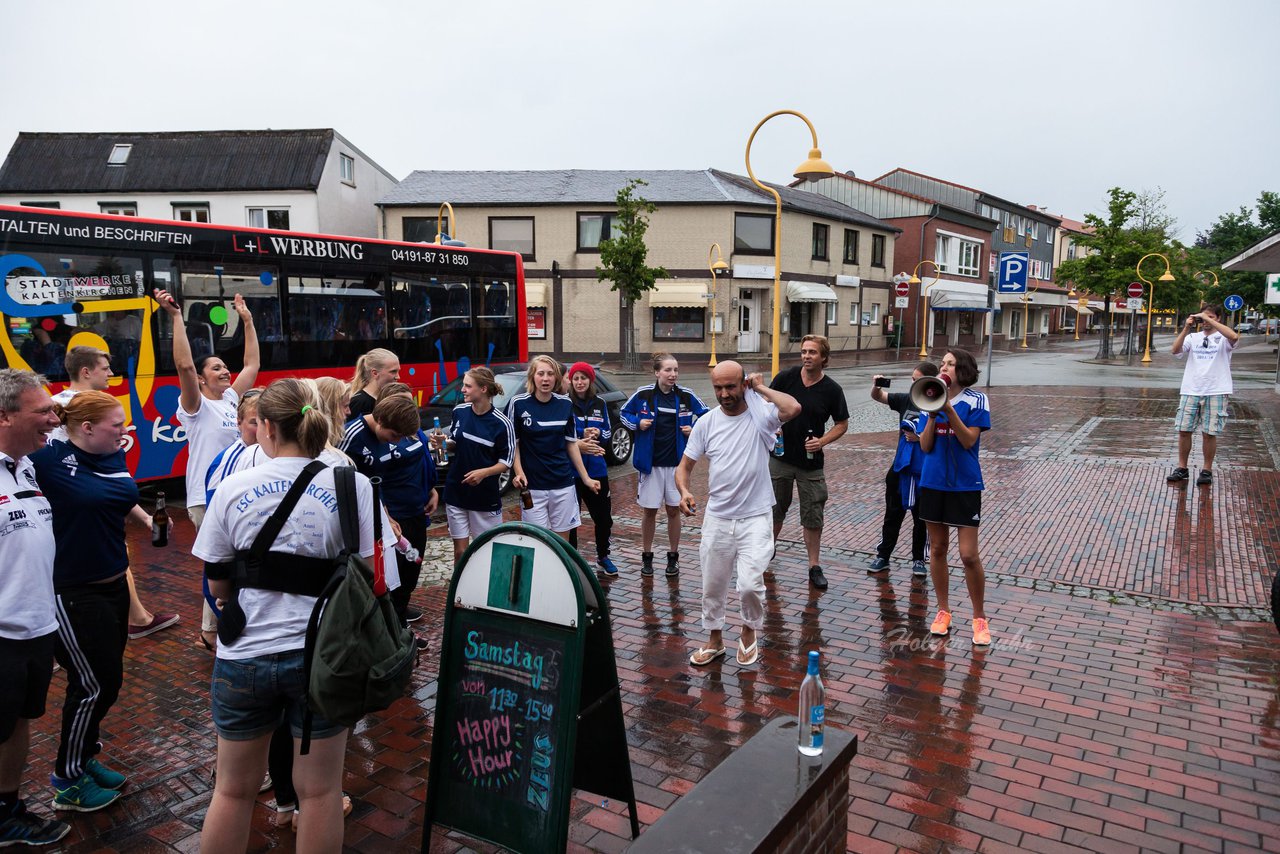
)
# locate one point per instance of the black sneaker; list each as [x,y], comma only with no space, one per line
[24,828]
[1178,474]
[816,578]
[412,615]
[646,563]
[673,564]
[420,642]
[878,564]
[1205,478]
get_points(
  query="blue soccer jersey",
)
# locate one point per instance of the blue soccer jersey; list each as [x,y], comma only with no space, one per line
[480,441]
[408,473]
[542,430]
[950,466]
[593,413]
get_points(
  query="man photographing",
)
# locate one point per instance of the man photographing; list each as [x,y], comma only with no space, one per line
[1206,385]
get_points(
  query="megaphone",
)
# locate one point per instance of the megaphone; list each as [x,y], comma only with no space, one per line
[928,394]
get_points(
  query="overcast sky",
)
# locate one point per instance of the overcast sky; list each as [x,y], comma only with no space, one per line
[1044,103]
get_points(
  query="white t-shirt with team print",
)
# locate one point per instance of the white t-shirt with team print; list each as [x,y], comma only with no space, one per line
[241,505]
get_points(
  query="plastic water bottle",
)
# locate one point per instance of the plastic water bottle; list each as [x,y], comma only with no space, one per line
[440,454]
[777,445]
[407,549]
[813,709]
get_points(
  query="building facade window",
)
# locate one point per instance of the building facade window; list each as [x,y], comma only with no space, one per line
[119,208]
[1071,250]
[820,235]
[419,229]
[191,213]
[119,155]
[594,227]
[753,234]
[679,324]
[832,309]
[877,250]
[850,246]
[512,234]
[347,168]
[268,218]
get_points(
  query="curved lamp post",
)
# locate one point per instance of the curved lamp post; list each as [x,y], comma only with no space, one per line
[811,170]
[1071,294]
[1167,276]
[924,302]
[718,267]
[1026,311]
[441,234]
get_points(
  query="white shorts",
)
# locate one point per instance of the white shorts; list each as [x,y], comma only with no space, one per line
[658,488]
[554,509]
[466,524]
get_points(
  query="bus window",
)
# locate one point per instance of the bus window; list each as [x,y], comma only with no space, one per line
[206,293]
[77,279]
[334,319]
[495,323]
[431,319]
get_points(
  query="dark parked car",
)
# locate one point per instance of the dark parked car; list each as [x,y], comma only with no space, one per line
[511,378]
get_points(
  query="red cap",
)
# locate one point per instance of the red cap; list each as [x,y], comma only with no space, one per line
[585,368]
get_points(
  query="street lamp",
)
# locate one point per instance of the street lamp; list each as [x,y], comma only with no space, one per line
[1151,295]
[1026,310]
[924,302]
[441,234]
[1071,294]
[717,266]
[810,170]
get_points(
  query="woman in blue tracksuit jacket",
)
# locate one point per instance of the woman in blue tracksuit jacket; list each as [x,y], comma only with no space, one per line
[661,415]
[591,422]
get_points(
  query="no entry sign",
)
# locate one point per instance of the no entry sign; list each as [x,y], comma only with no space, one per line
[903,289]
[1135,289]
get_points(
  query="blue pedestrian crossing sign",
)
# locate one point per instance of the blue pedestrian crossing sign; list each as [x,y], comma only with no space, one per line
[1234,303]
[1011,273]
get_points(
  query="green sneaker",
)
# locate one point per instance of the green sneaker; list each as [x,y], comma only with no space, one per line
[104,776]
[83,795]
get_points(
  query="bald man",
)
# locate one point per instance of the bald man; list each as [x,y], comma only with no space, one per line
[737,532]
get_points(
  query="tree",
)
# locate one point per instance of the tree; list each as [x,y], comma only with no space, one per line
[623,260]
[1230,235]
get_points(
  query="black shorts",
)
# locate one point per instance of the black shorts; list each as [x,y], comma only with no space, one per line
[955,509]
[26,668]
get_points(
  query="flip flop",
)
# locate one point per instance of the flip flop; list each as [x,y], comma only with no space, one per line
[747,655]
[704,656]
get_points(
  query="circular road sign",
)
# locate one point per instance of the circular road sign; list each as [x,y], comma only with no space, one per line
[903,289]
[1135,289]
[1233,303]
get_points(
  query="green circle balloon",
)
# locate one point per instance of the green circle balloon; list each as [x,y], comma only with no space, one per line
[218,315]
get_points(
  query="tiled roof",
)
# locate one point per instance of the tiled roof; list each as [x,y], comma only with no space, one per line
[187,161]
[600,187]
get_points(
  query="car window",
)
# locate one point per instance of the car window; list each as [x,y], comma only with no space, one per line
[450,395]
[512,384]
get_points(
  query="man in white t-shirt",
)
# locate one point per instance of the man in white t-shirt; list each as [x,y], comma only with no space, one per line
[1206,385]
[737,533]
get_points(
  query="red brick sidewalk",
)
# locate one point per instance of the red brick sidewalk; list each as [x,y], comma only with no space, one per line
[1116,711]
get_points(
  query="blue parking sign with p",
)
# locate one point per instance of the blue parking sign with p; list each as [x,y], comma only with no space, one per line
[1011,273]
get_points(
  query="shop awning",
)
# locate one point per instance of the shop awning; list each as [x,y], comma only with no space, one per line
[1082,309]
[950,295]
[535,294]
[678,295]
[810,292]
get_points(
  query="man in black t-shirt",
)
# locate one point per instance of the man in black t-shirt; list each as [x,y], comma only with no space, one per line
[895,508]
[821,400]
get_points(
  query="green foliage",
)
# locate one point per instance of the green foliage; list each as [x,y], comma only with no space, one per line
[1136,225]
[1230,235]
[623,258]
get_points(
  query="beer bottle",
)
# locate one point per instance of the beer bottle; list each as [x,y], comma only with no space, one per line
[160,523]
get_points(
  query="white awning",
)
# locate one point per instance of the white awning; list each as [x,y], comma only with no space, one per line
[810,292]
[678,295]
[1082,309]
[952,295]
[535,294]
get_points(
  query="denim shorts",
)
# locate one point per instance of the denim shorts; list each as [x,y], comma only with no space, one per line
[251,696]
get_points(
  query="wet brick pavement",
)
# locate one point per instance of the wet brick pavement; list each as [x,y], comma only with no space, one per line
[1131,701]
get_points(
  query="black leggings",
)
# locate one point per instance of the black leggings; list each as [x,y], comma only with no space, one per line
[93,628]
[600,506]
[414,529]
[894,513]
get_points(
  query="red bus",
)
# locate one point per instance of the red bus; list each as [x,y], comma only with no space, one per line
[318,302]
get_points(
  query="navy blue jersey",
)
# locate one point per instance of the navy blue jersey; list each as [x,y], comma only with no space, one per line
[91,495]
[543,430]
[479,442]
[408,473]
[950,466]
[593,412]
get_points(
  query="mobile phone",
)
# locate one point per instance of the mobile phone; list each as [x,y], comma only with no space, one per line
[882,382]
